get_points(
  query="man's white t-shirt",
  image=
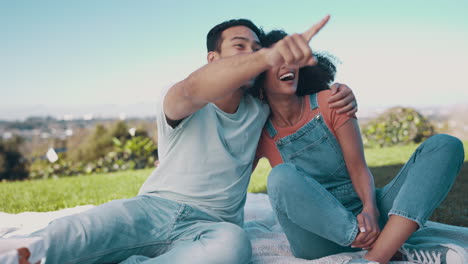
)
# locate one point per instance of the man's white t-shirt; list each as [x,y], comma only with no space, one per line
[206,161]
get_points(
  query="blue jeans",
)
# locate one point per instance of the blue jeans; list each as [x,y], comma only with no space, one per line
[318,222]
[145,229]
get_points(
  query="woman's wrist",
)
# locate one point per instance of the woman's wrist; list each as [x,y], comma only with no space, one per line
[369,205]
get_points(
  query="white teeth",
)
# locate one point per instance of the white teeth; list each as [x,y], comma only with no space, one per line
[288,75]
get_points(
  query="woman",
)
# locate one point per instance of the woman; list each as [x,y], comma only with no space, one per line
[320,186]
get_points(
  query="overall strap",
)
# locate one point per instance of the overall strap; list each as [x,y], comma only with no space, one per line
[270,129]
[313,101]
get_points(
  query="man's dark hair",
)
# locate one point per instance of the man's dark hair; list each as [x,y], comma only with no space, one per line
[312,79]
[213,39]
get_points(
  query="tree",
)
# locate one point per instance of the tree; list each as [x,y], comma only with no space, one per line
[13,166]
[101,141]
[120,131]
[397,126]
[98,145]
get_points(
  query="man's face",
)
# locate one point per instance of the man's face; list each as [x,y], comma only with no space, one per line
[239,40]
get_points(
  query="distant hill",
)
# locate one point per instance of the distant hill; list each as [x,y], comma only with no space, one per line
[451,119]
[143,109]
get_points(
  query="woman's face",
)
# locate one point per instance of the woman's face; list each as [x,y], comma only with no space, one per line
[281,80]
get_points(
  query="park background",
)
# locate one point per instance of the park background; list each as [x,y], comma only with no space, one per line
[77,76]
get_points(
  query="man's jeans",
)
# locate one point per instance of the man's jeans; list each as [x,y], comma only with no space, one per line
[317,223]
[144,229]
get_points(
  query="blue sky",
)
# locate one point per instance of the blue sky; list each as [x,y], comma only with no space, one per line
[83,53]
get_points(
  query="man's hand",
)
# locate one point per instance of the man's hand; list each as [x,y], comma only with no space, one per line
[343,99]
[294,49]
[369,229]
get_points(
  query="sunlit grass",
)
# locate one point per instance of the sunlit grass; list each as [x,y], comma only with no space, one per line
[54,194]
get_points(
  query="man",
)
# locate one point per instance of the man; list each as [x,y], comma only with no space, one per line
[191,208]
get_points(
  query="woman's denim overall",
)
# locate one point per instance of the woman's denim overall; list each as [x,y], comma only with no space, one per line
[314,199]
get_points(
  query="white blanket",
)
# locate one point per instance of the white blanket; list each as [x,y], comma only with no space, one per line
[269,243]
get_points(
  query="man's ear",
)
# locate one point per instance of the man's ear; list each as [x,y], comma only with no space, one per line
[212,56]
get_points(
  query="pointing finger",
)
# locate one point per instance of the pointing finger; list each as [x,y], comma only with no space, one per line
[311,32]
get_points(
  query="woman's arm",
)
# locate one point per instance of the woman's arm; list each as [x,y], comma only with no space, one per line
[350,140]
[349,137]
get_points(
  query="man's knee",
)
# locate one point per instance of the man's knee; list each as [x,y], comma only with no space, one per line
[231,245]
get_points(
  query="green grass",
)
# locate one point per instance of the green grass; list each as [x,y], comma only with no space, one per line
[54,194]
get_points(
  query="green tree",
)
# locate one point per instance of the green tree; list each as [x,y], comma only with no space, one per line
[98,145]
[101,142]
[120,131]
[397,126]
[13,166]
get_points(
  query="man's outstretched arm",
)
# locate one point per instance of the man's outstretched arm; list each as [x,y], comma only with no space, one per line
[212,82]
[224,76]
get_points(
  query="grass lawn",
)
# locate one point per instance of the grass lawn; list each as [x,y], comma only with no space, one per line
[54,194]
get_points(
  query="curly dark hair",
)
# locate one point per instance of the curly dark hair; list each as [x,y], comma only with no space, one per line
[312,79]
[213,39]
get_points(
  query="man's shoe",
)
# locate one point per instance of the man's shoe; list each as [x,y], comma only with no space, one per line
[440,254]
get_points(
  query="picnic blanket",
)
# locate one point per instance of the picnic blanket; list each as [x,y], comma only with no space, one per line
[269,243]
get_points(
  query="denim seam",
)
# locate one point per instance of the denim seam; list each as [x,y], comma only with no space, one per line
[354,233]
[352,237]
[348,241]
[180,214]
[346,189]
[104,252]
[323,193]
[446,191]
[340,167]
[333,142]
[418,220]
[311,125]
[307,148]
[327,137]
[280,211]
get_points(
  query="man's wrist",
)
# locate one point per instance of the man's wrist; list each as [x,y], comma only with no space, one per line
[266,57]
